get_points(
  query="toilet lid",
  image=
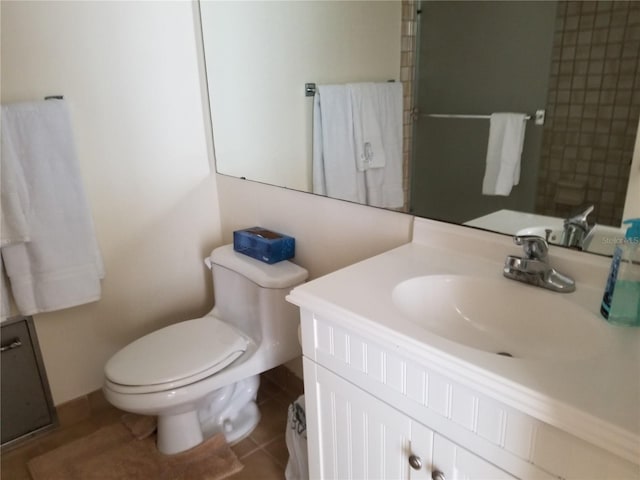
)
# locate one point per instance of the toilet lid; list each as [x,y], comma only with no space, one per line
[206,346]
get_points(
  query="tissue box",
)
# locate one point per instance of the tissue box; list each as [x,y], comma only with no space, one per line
[263,244]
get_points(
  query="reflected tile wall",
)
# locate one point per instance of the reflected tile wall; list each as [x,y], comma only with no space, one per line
[407,70]
[592,109]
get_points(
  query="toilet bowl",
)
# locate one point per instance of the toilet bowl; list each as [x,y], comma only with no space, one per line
[201,376]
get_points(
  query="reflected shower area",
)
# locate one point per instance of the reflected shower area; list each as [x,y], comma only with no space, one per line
[575,61]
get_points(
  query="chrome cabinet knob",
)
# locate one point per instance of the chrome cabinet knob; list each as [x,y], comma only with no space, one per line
[437,475]
[415,462]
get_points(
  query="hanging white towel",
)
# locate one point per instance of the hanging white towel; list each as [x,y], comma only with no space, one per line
[367,131]
[384,184]
[14,198]
[60,265]
[334,168]
[504,152]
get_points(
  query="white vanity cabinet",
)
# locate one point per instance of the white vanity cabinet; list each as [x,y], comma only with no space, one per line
[373,409]
[353,435]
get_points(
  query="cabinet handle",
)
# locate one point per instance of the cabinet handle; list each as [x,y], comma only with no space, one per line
[415,462]
[14,344]
[437,475]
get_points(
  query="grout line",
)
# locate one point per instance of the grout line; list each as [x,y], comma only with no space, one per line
[275,460]
[250,452]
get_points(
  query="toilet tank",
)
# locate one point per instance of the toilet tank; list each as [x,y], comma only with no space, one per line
[250,295]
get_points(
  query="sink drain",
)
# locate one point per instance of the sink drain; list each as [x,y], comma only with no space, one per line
[504,354]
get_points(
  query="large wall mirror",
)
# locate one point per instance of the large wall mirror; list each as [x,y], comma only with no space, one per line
[570,67]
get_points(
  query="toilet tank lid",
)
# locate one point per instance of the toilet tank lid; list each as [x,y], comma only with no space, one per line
[276,275]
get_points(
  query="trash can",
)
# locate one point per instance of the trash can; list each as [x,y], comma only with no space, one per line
[296,439]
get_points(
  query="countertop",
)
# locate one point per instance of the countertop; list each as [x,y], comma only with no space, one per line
[595,398]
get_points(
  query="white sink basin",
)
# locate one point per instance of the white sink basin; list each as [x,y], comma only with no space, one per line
[501,317]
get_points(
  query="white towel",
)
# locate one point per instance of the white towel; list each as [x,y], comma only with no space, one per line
[14,198]
[504,151]
[60,266]
[384,185]
[367,129]
[334,168]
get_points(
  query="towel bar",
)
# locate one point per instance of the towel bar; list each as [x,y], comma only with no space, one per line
[310,88]
[538,116]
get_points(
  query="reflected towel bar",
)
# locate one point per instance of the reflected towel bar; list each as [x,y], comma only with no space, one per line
[538,116]
[310,88]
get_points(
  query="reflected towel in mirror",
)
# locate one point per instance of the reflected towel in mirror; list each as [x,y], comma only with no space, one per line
[334,166]
[367,103]
[504,152]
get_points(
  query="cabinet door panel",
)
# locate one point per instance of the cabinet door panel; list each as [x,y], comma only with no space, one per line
[359,437]
[24,406]
[457,463]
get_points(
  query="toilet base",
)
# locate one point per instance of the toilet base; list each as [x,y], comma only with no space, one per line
[230,410]
[177,433]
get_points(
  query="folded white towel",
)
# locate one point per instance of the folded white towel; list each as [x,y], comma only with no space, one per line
[60,266]
[14,198]
[334,168]
[384,185]
[504,152]
[367,131]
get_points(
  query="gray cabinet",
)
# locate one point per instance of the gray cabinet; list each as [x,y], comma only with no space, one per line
[26,406]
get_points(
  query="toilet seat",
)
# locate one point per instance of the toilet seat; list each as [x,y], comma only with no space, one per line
[206,345]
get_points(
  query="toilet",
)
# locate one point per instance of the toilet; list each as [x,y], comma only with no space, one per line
[201,376]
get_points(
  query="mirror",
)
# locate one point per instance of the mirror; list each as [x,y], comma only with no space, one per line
[575,61]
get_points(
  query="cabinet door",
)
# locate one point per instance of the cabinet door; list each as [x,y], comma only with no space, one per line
[454,462]
[26,405]
[352,435]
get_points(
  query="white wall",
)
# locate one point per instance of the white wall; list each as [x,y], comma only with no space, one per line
[330,234]
[259,57]
[129,71]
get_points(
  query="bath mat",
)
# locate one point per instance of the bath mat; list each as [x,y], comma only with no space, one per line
[140,426]
[113,453]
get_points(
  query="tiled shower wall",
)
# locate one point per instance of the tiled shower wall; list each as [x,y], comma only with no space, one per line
[592,110]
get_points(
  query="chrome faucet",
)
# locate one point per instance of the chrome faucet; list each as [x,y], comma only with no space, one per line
[533,267]
[576,229]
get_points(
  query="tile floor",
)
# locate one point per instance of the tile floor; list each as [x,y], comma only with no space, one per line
[264,453]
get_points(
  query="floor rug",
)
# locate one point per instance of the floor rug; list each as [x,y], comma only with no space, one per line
[114,453]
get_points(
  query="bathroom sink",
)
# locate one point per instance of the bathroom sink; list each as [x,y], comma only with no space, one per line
[502,317]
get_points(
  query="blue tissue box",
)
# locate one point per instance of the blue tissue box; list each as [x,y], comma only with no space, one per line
[264,245]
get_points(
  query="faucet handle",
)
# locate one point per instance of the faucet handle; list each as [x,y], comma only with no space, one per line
[580,219]
[535,247]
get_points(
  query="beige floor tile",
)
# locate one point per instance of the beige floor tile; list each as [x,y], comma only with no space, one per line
[267,390]
[259,466]
[278,450]
[244,447]
[14,466]
[273,422]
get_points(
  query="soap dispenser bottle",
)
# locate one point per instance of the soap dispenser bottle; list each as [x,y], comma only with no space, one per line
[621,300]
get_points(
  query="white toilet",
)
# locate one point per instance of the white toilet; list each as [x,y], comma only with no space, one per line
[201,376]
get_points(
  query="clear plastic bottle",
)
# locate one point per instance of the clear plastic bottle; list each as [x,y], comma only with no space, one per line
[621,300]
